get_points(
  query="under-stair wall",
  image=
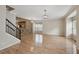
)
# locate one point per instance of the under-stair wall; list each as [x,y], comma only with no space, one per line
[6,40]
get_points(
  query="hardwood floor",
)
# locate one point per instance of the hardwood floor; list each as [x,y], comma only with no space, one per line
[41,44]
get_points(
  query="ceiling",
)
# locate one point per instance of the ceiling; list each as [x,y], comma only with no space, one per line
[36,12]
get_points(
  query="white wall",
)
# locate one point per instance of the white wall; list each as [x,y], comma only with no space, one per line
[54,27]
[11,17]
[6,40]
[2,22]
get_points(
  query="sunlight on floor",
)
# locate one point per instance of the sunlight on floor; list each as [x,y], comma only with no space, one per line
[38,39]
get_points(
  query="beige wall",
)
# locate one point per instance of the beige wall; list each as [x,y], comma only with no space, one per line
[77,37]
[54,27]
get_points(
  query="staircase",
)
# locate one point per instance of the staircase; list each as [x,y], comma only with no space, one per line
[12,29]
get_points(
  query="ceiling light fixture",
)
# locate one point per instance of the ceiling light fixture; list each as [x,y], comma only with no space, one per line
[45,16]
